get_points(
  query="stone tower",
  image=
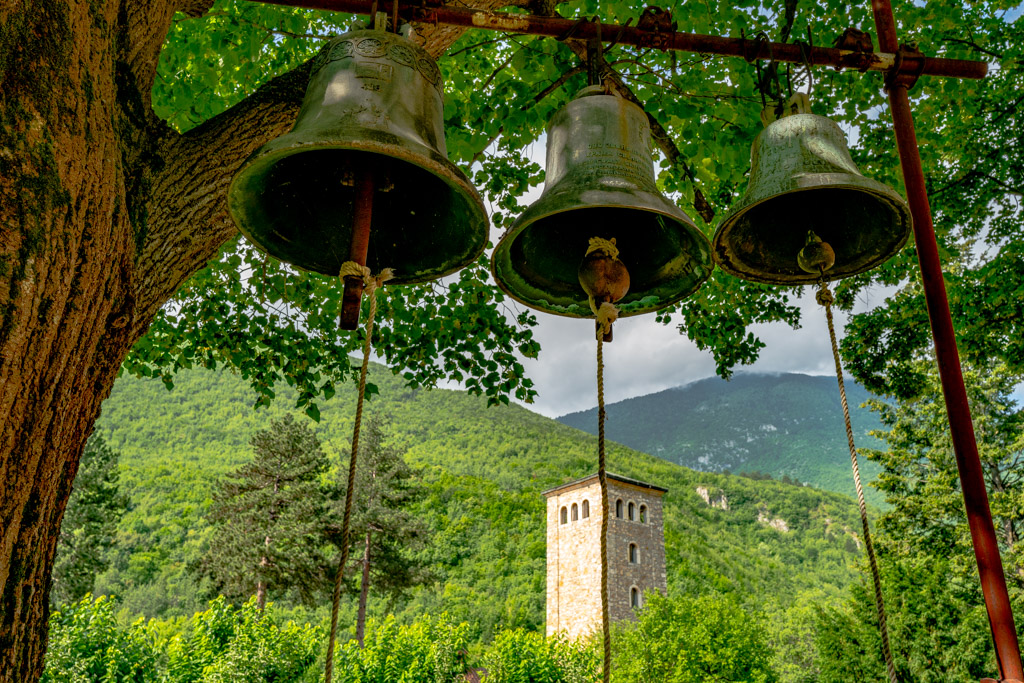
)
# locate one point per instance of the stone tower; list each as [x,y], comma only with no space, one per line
[636,551]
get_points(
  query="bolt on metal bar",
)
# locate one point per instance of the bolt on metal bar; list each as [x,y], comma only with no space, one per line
[965,448]
[657,39]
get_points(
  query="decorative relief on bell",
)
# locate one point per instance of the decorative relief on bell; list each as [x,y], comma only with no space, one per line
[387,46]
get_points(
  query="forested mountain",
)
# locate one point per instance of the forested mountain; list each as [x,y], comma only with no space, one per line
[777,547]
[783,425]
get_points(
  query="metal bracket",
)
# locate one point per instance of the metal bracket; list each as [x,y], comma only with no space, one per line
[906,69]
[658,27]
[858,50]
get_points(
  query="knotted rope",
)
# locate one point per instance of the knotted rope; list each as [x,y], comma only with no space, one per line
[605,312]
[825,299]
[370,284]
[602,477]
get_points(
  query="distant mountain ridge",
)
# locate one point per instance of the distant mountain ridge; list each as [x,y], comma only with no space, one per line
[783,425]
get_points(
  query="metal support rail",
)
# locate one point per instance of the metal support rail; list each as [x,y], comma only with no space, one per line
[965,447]
[656,36]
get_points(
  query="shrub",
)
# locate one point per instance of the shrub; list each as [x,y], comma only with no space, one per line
[88,645]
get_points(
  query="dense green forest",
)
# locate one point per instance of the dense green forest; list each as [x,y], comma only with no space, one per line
[484,469]
[785,425]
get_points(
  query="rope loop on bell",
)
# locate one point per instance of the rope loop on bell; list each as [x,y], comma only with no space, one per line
[601,244]
[605,314]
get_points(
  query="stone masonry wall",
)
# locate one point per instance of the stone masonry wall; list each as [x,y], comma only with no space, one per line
[574,555]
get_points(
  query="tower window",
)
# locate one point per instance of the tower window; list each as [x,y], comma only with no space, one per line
[643,514]
[632,511]
[618,508]
[586,509]
[575,512]
[634,597]
[565,515]
[634,554]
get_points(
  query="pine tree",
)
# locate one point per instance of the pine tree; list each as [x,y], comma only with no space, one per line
[90,522]
[271,519]
[385,532]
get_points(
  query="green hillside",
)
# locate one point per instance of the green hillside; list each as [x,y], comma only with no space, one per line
[485,468]
[783,425]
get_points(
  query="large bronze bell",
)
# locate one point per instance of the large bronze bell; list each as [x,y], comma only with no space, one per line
[802,180]
[600,183]
[373,105]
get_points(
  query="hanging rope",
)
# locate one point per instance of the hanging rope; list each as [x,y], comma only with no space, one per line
[825,299]
[370,284]
[602,477]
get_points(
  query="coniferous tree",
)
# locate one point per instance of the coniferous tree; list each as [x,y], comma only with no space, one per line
[271,519]
[385,533]
[90,523]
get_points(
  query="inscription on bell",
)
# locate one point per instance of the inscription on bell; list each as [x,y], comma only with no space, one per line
[617,160]
[376,70]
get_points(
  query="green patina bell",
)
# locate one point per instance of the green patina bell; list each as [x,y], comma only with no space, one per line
[373,104]
[600,183]
[803,180]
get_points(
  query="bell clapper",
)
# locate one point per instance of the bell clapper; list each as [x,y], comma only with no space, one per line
[362,215]
[816,256]
[605,280]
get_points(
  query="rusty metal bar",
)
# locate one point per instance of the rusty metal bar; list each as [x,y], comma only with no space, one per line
[648,37]
[972,480]
[363,212]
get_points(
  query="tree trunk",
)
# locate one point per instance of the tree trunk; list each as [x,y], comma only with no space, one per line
[104,212]
[364,590]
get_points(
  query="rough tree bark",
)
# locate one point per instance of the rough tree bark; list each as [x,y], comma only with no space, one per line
[104,212]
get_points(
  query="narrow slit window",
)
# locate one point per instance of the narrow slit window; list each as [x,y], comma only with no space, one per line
[632,511]
[643,514]
[565,515]
[634,554]
[634,597]
[586,509]
[575,512]
[618,508]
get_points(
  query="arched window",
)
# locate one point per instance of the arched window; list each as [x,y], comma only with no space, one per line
[575,512]
[634,554]
[586,509]
[565,515]
[632,511]
[618,508]
[643,514]
[634,597]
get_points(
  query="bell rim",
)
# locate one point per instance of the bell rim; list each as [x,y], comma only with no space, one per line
[503,248]
[452,175]
[860,183]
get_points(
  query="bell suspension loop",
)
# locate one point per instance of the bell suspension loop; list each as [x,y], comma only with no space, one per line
[818,256]
[351,270]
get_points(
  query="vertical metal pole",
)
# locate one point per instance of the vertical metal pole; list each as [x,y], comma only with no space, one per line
[363,212]
[972,481]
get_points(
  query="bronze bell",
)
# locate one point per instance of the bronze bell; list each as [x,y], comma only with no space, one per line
[802,180]
[600,183]
[373,105]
